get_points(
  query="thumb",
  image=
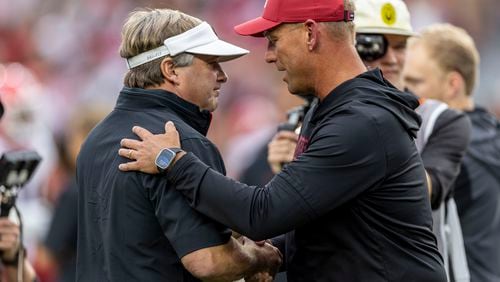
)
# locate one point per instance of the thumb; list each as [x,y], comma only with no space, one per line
[169,126]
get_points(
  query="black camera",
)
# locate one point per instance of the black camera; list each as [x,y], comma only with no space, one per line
[371,47]
[295,116]
[16,169]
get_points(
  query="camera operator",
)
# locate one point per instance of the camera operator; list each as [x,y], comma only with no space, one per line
[11,250]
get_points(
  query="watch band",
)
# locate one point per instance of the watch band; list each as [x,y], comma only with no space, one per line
[175,150]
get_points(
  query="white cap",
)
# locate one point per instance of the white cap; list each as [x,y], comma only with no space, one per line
[383,17]
[199,40]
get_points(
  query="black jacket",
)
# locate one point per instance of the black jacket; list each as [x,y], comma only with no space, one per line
[132,226]
[355,194]
[477,193]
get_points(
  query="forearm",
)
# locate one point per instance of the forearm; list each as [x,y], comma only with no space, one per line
[258,213]
[235,260]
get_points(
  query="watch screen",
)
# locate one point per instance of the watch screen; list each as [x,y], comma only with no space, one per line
[163,162]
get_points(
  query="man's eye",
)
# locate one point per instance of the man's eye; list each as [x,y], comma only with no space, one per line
[400,46]
[271,40]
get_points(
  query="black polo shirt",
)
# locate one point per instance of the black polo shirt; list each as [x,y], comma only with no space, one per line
[132,226]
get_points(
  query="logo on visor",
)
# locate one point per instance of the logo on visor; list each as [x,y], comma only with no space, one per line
[154,56]
[388,14]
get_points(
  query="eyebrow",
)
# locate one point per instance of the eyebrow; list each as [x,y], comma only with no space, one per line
[410,78]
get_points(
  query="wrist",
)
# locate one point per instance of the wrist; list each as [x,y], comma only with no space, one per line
[178,156]
[12,260]
[166,159]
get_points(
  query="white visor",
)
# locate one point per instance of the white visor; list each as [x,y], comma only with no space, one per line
[199,40]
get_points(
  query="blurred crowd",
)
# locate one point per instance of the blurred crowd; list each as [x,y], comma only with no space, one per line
[60,72]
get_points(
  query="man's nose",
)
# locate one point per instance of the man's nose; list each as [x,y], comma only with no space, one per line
[390,56]
[270,55]
[221,76]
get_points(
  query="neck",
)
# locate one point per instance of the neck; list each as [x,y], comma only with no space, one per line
[336,67]
[164,86]
[464,103]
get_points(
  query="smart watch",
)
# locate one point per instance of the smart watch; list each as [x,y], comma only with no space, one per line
[165,158]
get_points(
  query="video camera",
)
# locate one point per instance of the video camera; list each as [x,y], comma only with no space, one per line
[371,47]
[295,116]
[16,169]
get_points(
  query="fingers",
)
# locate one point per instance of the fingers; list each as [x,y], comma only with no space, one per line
[260,243]
[126,153]
[9,238]
[170,126]
[129,166]
[282,146]
[285,134]
[280,151]
[130,143]
[143,152]
[7,223]
[141,132]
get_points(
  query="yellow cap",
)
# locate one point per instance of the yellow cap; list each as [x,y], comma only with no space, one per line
[383,17]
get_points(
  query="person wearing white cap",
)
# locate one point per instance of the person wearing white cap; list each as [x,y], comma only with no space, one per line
[134,226]
[382,30]
[353,203]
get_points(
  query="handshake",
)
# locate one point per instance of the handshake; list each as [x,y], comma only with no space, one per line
[269,257]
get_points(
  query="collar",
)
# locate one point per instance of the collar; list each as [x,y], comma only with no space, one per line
[142,100]
[335,98]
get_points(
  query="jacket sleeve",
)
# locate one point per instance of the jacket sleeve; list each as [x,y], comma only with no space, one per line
[345,157]
[444,151]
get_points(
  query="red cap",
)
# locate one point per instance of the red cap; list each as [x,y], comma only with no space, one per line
[295,11]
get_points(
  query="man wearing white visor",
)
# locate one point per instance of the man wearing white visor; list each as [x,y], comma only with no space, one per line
[133,226]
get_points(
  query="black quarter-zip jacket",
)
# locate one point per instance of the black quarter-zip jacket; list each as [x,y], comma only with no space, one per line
[133,226]
[355,194]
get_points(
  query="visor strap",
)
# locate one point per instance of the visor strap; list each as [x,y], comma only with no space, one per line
[200,35]
[147,56]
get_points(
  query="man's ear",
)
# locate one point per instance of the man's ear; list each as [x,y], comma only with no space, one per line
[312,34]
[455,85]
[168,70]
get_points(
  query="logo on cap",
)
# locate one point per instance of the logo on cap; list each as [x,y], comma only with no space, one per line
[388,14]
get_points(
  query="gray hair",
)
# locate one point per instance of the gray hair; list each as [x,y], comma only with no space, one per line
[342,30]
[145,30]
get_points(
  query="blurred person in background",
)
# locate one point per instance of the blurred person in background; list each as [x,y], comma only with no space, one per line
[26,126]
[134,226]
[442,63]
[59,247]
[356,194]
[10,249]
[12,254]
[382,30]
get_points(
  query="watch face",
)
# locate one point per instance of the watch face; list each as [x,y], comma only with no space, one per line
[164,159]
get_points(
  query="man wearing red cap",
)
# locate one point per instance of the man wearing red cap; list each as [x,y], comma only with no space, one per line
[355,194]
